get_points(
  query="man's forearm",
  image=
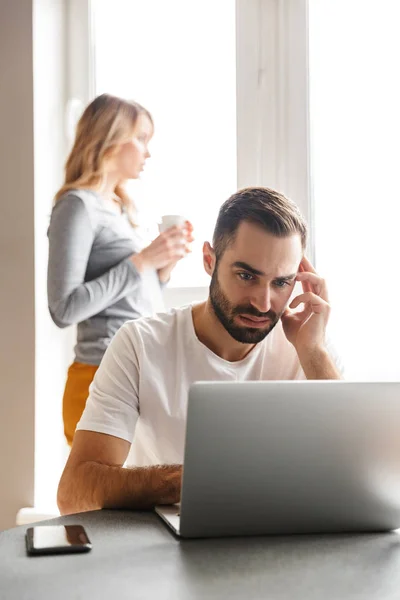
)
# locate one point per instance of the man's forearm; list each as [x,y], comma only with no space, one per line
[318,364]
[92,486]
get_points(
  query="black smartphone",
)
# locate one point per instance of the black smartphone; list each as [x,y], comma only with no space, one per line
[57,539]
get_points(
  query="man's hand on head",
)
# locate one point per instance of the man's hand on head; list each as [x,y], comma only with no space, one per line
[305,329]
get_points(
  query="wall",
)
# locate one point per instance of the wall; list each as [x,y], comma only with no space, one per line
[17,304]
[34,353]
[53,346]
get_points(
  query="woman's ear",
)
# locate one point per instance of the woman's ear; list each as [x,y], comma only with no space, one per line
[208,258]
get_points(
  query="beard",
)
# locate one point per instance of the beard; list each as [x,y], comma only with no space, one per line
[226,312]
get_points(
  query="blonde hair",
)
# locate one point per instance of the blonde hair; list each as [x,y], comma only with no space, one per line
[106,123]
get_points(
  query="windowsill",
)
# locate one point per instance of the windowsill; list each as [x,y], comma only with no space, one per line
[28,515]
[179,296]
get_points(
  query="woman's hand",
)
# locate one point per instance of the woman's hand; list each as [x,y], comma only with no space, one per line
[169,247]
[164,273]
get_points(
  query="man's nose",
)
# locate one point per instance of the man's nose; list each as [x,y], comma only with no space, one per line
[262,300]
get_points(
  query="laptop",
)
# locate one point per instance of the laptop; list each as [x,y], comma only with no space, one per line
[289,457]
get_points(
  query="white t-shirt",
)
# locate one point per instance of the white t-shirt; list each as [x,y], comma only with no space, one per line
[140,390]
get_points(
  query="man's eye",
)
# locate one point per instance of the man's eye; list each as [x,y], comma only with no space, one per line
[245,276]
[282,283]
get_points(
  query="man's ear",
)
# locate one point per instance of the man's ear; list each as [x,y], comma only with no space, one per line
[209,258]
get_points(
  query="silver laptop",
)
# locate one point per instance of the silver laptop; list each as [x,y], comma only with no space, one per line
[289,457]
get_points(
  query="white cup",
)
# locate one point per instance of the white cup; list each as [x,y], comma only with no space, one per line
[168,221]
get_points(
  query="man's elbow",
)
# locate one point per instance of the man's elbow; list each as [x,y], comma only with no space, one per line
[70,496]
[64,507]
[74,494]
[65,503]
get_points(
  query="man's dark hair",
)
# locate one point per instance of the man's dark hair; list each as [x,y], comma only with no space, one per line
[264,207]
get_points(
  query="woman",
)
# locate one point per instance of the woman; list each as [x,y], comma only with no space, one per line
[99,273]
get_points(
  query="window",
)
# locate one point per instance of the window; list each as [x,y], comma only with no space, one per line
[355,128]
[227,83]
[178,59]
[219,77]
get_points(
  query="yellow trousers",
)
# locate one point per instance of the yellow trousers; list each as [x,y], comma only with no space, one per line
[80,376]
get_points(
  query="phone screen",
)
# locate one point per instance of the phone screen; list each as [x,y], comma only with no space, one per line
[54,539]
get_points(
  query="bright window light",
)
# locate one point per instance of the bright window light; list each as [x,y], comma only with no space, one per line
[178,59]
[355,132]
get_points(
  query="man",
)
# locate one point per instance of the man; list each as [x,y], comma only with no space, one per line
[244,331]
